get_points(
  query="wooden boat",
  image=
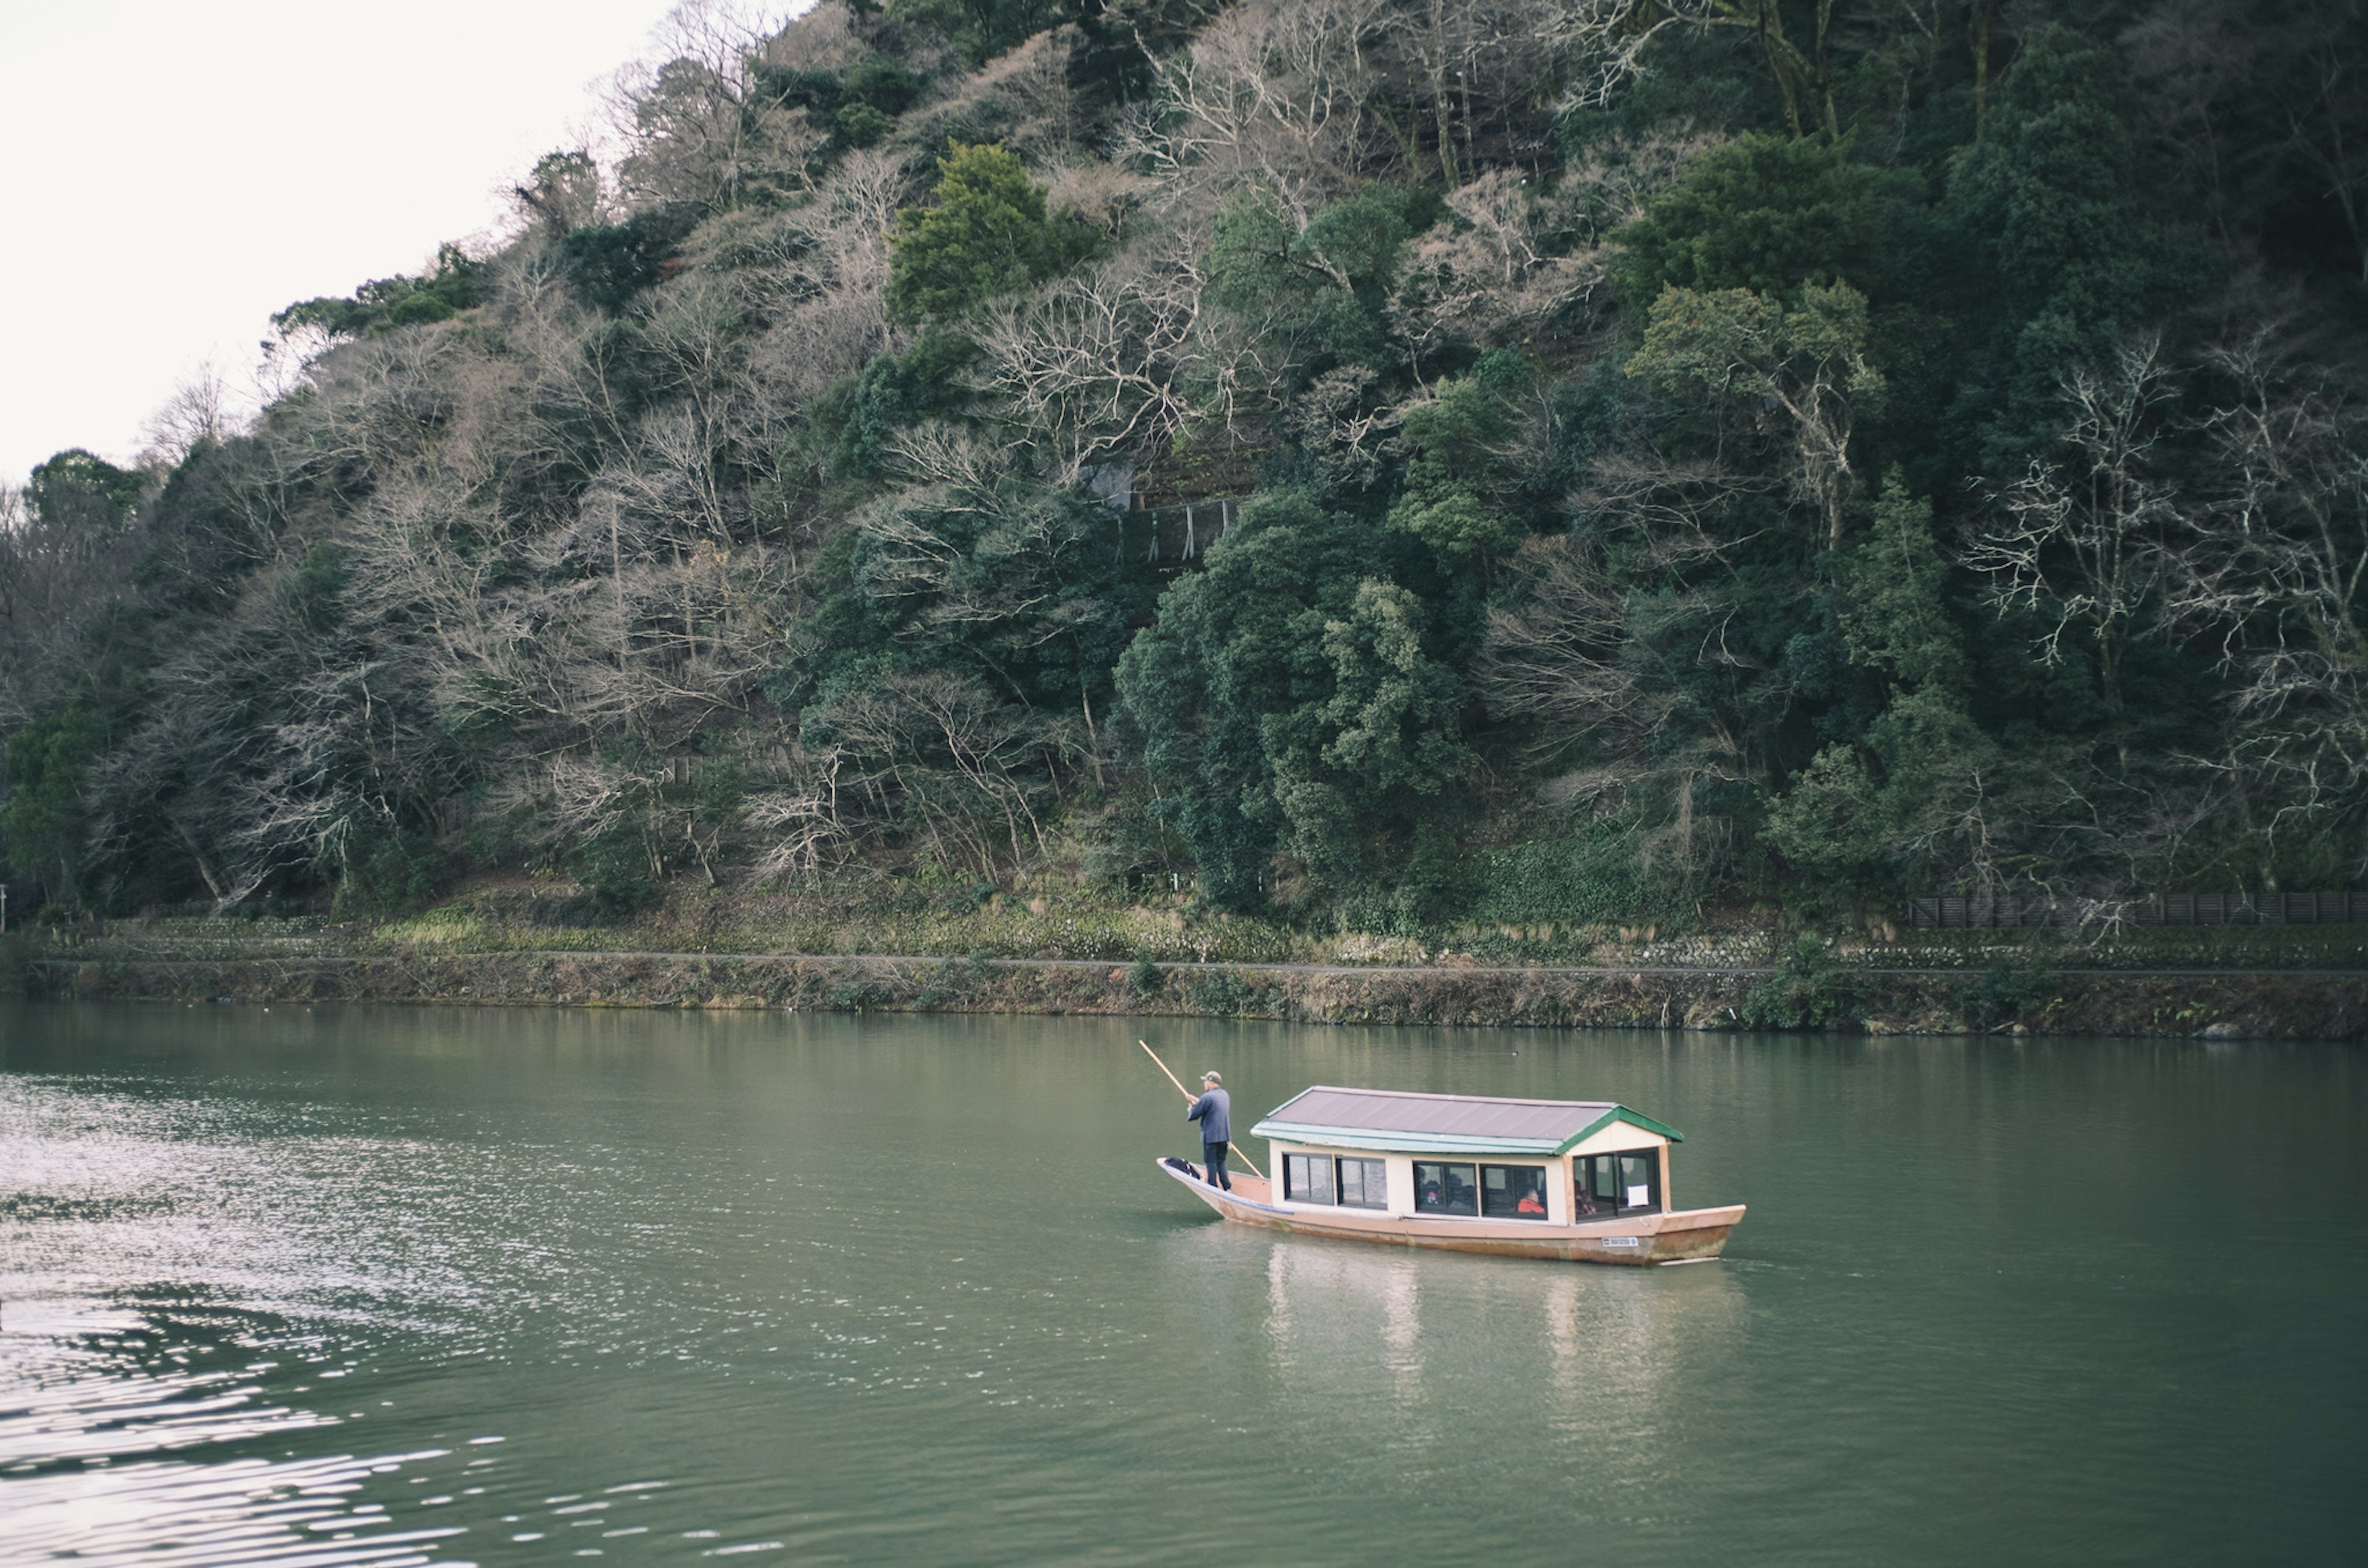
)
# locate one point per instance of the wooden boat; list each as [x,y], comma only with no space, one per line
[1587,1181]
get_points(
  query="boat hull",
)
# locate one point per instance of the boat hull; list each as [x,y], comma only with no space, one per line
[1689,1235]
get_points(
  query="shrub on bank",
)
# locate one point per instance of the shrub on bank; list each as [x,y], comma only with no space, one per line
[18,980]
[1809,989]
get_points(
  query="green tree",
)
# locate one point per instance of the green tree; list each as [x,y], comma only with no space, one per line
[1358,241]
[44,828]
[1450,500]
[1307,310]
[861,104]
[1807,358]
[455,284]
[979,29]
[76,490]
[1893,613]
[1013,578]
[987,235]
[1923,796]
[1923,792]
[893,392]
[1288,698]
[2060,260]
[1767,214]
[1386,739]
[610,263]
[1114,43]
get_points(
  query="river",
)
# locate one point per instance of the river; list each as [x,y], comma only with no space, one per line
[381,1286]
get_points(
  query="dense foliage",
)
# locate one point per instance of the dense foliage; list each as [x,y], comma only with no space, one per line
[1729,447]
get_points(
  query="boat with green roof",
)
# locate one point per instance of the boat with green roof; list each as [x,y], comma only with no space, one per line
[1585,1181]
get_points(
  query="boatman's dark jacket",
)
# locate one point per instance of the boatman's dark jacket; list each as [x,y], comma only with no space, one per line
[1214,1112]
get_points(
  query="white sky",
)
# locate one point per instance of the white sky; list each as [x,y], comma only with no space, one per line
[173,171]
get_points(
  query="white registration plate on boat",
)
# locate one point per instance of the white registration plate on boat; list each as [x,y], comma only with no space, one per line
[1619,1241]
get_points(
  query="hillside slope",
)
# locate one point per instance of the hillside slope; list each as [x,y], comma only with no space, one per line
[1367,464]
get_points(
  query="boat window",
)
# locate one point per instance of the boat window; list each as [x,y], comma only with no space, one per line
[1441,1188]
[1611,1185]
[1513,1192]
[1308,1178]
[1364,1184]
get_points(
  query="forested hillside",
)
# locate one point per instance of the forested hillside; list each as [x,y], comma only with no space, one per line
[1667,455]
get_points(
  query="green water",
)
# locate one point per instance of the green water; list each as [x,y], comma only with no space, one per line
[382,1285]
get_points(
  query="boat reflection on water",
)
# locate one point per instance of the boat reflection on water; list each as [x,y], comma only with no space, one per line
[1328,1305]
[1428,1337]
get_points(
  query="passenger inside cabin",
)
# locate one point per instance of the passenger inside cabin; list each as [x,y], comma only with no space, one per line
[1441,1188]
[1513,1192]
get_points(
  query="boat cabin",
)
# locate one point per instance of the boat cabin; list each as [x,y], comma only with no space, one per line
[1468,1156]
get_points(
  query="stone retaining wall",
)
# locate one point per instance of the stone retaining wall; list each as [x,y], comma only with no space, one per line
[2227,1005]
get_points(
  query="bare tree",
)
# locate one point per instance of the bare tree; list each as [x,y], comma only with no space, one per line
[1579,652]
[2273,568]
[934,752]
[1613,39]
[2328,131]
[1274,91]
[1460,62]
[1099,361]
[796,823]
[699,125]
[2081,542]
[823,300]
[197,413]
[1025,91]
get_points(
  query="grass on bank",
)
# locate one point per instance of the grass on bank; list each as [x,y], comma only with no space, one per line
[1053,917]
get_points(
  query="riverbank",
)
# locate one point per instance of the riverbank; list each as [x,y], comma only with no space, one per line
[1050,945]
[2003,997]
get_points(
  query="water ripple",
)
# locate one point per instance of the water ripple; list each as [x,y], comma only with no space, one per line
[393,1287]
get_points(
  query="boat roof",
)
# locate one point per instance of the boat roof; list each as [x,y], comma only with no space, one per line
[1402,1120]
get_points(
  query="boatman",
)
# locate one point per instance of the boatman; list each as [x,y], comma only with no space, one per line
[1215,1111]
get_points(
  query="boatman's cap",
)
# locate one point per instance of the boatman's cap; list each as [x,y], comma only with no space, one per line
[1211,1078]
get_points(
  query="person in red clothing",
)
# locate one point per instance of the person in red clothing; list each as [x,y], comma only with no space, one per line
[1532,1202]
